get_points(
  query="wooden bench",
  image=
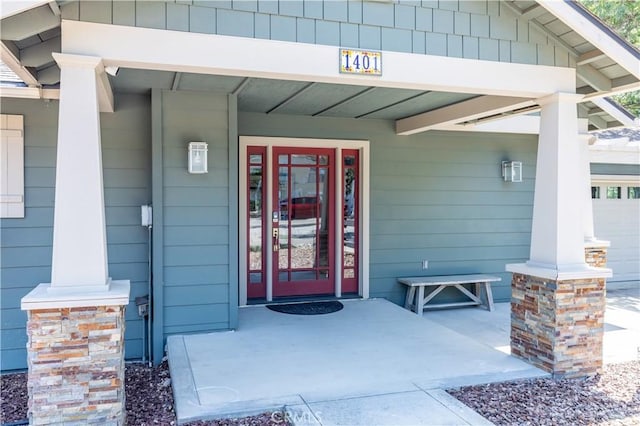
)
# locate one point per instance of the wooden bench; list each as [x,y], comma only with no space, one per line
[417,300]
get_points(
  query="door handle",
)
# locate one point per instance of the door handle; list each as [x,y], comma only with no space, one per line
[276,245]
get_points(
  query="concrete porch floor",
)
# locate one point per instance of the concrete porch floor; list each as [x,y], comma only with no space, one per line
[371,363]
[371,347]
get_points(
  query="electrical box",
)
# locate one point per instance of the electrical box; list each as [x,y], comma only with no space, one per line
[146,214]
[142,302]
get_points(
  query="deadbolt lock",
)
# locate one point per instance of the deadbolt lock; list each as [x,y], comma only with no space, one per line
[275,232]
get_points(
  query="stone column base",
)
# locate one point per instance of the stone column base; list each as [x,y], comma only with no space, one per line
[75,356]
[558,325]
[596,254]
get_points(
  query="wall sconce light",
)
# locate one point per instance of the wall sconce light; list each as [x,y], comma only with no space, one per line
[512,171]
[198,157]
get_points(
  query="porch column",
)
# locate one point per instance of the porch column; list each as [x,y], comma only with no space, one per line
[557,306]
[76,323]
[595,250]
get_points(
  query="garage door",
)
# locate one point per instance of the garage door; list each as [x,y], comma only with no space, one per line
[616,215]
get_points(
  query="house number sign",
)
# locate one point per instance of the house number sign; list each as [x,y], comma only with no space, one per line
[360,62]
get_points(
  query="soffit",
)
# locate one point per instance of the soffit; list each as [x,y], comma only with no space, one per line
[290,97]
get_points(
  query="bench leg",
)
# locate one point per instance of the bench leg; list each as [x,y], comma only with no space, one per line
[488,295]
[420,300]
[411,291]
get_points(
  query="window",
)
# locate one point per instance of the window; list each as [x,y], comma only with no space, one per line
[595,192]
[11,166]
[614,192]
[633,192]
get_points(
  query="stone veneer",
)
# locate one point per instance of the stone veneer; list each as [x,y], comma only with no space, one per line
[596,256]
[558,326]
[76,365]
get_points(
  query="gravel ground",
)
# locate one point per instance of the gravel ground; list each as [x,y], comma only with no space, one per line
[612,398]
[149,400]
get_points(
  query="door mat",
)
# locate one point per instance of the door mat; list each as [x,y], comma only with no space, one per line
[309,308]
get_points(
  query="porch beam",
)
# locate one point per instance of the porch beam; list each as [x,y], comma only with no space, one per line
[594,78]
[613,110]
[40,54]
[594,34]
[176,81]
[135,47]
[49,75]
[482,106]
[533,12]
[14,65]
[590,56]
[599,122]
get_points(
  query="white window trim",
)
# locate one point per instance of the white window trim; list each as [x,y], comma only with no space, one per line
[631,180]
[338,145]
[12,166]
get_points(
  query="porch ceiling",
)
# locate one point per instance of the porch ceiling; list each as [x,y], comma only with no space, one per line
[294,97]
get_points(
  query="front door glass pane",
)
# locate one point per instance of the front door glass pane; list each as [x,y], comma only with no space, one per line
[303,214]
[255,217]
[350,214]
[303,159]
[283,245]
[323,217]
[257,240]
[305,223]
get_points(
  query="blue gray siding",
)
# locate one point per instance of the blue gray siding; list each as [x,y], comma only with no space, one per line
[438,196]
[196,253]
[477,29]
[25,250]
[615,169]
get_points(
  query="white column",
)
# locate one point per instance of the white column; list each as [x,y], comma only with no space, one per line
[557,234]
[583,145]
[79,258]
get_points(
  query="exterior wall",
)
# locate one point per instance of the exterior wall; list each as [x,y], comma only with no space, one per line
[478,29]
[25,251]
[195,275]
[437,196]
[615,169]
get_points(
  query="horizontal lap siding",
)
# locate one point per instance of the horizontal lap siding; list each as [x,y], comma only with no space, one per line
[25,254]
[196,214]
[126,161]
[473,29]
[437,196]
[25,244]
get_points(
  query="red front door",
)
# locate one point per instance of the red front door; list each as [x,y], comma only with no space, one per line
[303,218]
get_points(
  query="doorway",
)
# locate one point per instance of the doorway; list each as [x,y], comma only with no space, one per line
[301,219]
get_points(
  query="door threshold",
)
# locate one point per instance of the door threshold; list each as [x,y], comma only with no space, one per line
[301,299]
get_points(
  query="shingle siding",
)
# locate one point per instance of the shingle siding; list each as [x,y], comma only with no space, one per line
[357,24]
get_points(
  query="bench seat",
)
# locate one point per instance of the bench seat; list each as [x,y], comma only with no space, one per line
[416,300]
